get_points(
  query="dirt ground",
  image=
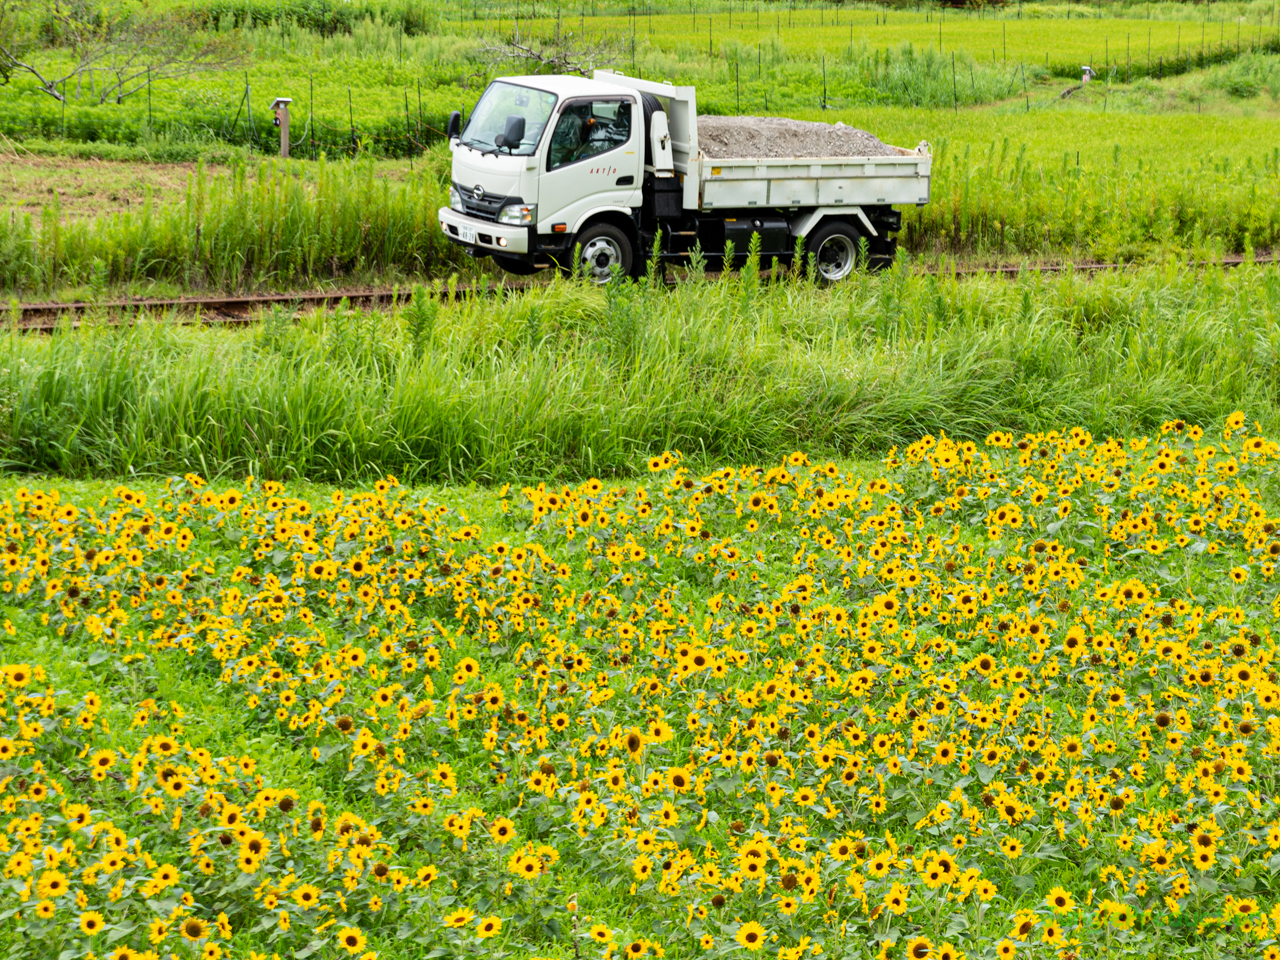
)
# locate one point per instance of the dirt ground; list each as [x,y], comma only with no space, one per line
[92,188]
[85,188]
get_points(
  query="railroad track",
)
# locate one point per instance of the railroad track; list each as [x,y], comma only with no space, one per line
[246,309]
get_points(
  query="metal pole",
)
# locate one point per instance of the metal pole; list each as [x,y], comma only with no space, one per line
[248,104]
[408,130]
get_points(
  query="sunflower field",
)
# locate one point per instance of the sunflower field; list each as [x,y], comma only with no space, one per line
[976,700]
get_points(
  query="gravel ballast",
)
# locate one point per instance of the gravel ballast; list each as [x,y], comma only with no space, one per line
[777,137]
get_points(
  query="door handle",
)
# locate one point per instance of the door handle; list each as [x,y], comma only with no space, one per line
[626,181]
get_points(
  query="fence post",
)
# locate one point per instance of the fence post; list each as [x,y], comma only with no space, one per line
[408,130]
[352,118]
[955,93]
[248,104]
[236,121]
[281,108]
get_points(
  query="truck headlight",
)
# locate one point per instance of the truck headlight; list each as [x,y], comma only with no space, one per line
[519,214]
[455,200]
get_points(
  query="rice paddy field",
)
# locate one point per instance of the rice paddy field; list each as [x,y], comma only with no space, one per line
[926,616]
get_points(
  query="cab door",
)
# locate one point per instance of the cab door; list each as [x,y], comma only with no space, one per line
[593,159]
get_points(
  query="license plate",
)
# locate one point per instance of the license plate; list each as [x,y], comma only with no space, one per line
[466,233]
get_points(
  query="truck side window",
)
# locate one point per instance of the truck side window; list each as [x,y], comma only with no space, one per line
[587,129]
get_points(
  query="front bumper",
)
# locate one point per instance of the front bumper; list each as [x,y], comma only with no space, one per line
[490,237]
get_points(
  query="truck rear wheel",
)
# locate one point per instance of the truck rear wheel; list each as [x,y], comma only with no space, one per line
[602,248]
[834,246]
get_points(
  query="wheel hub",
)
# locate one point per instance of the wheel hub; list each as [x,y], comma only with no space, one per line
[599,257]
[836,258]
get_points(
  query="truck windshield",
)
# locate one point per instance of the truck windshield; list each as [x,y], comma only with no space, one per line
[503,100]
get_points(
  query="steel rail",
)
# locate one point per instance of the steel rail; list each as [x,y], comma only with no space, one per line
[246,309]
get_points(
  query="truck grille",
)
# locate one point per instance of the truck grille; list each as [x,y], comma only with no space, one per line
[485,207]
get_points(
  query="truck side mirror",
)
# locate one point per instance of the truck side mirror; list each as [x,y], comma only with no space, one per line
[455,125]
[514,132]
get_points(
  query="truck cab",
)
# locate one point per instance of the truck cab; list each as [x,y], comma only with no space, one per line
[547,166]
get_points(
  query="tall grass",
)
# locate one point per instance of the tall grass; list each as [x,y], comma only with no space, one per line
[1002,201]
[569,380]
[242,229]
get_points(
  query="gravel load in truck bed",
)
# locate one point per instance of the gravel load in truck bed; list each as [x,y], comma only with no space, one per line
[776,137]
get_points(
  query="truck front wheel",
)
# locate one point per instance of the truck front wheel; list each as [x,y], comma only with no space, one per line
[602,248]
[834,246]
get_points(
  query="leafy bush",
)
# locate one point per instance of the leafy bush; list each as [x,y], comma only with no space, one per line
[325,17]
[322,16]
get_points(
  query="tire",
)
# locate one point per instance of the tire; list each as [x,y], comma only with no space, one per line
[513,265]
[835,248]
[603,246]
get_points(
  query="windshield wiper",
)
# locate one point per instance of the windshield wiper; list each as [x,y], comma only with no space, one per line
[476,145]
[496,151]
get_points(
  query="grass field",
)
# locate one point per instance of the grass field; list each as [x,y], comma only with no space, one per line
[385,85]
[997,36]
[1006,187]
[1028,165]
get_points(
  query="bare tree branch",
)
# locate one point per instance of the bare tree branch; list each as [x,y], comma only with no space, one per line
[562,54]
[125,46]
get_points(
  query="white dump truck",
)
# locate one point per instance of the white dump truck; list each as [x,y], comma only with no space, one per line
[549,165]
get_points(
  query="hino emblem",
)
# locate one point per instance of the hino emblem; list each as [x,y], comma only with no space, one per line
[478,192]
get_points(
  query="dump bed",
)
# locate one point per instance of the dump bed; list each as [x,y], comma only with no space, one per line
[785,182]
[809,181]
